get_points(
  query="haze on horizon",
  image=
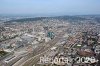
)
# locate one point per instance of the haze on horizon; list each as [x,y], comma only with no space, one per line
[50,7]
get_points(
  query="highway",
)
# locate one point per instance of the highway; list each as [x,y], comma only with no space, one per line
[31,59]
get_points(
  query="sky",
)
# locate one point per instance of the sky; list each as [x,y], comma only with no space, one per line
[50,7]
